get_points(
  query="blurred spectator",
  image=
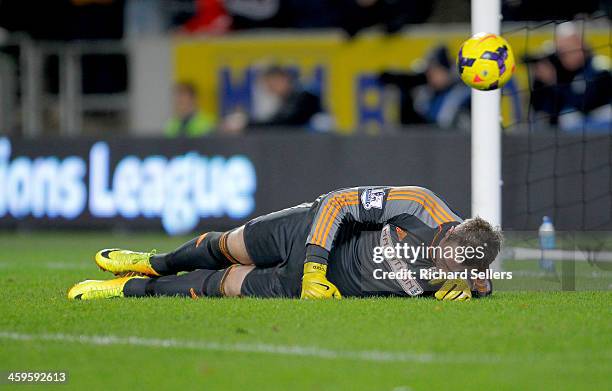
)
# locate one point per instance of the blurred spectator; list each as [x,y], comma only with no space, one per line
[64,19]
[285,13]
[315,13]
[392,14]
[257,13]
[350,15]
[550,9]
[188,120]
[571,85]
[434,95]
[293,107]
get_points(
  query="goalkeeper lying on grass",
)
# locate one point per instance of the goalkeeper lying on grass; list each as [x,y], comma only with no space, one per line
[324,249]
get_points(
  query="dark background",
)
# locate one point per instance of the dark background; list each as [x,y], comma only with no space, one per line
[569,178]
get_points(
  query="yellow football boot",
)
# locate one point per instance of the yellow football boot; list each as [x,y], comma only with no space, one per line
[99,289]
[119,262]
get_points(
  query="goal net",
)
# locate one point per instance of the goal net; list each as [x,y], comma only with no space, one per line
[555,153]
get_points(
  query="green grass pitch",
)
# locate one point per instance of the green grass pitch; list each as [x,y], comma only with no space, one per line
[513,341]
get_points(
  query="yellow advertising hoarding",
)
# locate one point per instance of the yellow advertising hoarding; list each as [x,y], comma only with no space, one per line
[344,72]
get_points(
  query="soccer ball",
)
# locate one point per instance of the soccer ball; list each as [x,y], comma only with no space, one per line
[485,62]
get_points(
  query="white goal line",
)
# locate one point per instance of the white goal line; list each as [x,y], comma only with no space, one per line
[287,350]
[529,254]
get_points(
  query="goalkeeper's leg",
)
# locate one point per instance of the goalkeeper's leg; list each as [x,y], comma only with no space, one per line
[237,280]
[271,240]
[211,283]
[212,250]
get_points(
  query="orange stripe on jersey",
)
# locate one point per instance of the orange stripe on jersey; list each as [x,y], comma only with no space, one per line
[426,197]
[435,214]
[441,213]
[333,204]
[324,214]
[331,221]
[419,201]
[427,204]
[439,205]
[424,201]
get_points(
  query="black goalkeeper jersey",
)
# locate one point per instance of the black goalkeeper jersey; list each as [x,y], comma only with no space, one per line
[342,229]
[350,223]
[354,270]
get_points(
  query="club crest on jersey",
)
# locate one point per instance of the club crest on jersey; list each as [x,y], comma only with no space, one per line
[372,198]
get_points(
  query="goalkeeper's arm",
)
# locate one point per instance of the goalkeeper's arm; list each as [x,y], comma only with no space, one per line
[370,204]
[332,210]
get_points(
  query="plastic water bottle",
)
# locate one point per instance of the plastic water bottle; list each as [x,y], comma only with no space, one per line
[547,242]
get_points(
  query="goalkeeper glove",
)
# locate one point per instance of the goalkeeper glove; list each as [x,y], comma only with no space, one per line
[315,284]
[457,290]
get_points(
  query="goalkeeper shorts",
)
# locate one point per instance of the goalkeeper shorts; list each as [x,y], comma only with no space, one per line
[276,243]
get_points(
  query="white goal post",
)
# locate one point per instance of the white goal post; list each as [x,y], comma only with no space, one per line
[486,129]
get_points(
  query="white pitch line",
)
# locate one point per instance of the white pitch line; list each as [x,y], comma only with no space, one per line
[69,266]
[529,254]
[286,350]
[541,273]
[49,265]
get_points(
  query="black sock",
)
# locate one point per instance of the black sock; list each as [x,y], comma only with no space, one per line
[208,251]
[196,283]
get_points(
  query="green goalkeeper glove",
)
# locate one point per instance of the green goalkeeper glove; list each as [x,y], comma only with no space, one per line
[457,290]
[315,284]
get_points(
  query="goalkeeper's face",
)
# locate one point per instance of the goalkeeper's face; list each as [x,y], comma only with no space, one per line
[473,244]
[450,257]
